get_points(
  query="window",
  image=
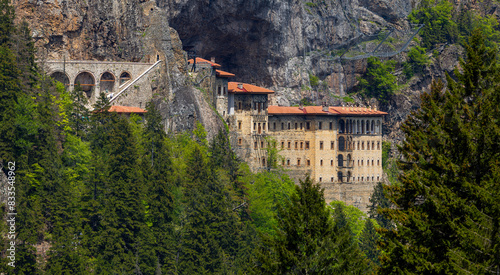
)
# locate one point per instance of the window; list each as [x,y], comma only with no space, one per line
[259,107]
[373,145]
[361,178]
[254,126]
[321,145]
[282,145]
[301,145]
[361,162]
[320,179]
[320,125]
[255,106]
[358,145]
[282,126]
[341,144]
[255,145]
[239,125]
[301,126]
[239,105]
[368,145]
[263,162]
[274,125]
[308,162]
[298,162]
[378,145]
[378,162]
[332,145]
[373,178]
[331,179]
[262,144]
[363,145]
[288,162]
[283,162]
[331,162]
[239,141]
[321,163]
[372,162]
[331,125]
[307,145]
[340,160]
[377,178]
[264,126]
[367,162]
[288,125]
[219,90]
[358,162]
[296,126]
[308,125]
[289,145]
[296,145]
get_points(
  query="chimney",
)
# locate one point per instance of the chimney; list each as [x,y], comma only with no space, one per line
[325,107]
[212,59]
[240,86]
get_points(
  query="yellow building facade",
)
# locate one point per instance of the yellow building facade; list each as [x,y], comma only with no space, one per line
[339,147]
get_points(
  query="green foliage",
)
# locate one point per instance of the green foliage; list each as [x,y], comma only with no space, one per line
[368,242]
[417,60]
[354,218]
[307,240]
[311,4]
[272,153]
[439,25]
[386,149]
[379,200]
[379,82]
[268,192]
[313,80]
[445,211]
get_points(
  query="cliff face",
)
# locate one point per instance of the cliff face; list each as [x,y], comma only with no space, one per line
[268,42]
[265,41]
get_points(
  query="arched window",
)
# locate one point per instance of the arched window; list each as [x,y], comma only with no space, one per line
[340,177]
[61,77]
[107,82]
[340,160]
[341,144]
[348,160]
[373,127]
[348,176]
[87,81]
[341,126]
[124,77]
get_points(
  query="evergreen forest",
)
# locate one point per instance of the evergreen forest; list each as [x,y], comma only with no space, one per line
[100,193]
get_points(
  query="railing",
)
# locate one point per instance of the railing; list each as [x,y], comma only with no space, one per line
[134,81]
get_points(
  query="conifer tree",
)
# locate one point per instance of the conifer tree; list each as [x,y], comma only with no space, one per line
[307,240]
[368,242]
[446,210]
[379,200]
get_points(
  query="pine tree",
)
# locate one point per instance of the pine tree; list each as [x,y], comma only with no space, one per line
[379,200]
[446,210]
[368,242]
[308,241]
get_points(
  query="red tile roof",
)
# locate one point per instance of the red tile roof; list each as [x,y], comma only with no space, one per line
[318,110]
[204,61]
[126,109]
[232,87]
[223,74]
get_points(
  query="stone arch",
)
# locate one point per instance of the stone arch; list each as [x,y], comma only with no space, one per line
[107,82]
[87,81]
[124,77]
[61,77]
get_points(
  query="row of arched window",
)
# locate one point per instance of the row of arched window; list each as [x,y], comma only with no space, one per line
[87,80]
[357,126]
[348,144]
